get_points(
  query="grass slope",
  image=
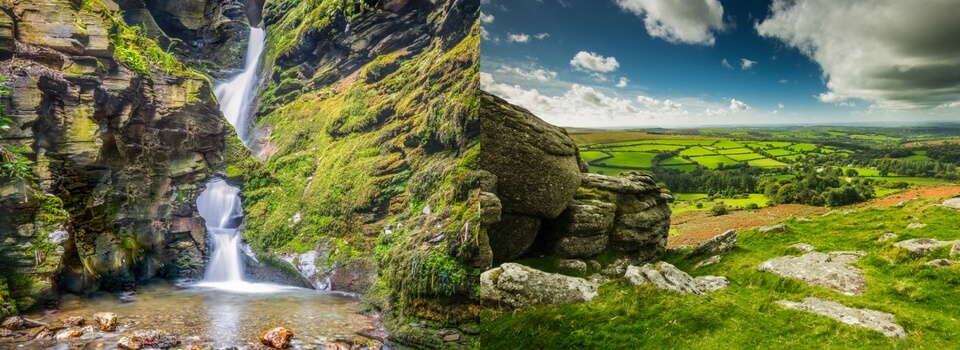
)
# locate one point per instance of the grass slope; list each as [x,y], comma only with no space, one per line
[746,316]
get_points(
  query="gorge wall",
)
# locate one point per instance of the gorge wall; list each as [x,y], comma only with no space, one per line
[115,136]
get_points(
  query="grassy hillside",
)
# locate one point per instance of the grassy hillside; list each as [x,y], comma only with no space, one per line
[746,316]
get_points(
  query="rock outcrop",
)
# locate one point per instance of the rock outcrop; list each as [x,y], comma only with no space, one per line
[118,141]
[831,270]
[923,246]
[668,277]
[872,319]
[717,244]
[515,286]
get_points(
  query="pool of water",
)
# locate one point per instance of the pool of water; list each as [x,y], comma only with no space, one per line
[211,315]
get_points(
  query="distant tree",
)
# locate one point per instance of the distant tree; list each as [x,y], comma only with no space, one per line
[883,172]
[719,209]
[852,173]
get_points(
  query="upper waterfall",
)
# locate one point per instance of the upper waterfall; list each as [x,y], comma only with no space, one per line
[236,95]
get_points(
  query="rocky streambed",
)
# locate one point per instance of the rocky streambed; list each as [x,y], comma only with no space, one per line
[200,318]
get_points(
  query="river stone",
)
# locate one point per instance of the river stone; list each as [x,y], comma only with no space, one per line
[105,321]
[713,260]
[664,276]
[12,323]
[535,162]
[512,236]
[580,247]
[490,208]
[130,342]
[923,246]
[75,321]
[773,229]
[818,269]
[803,247]
[887,236]
[952,203]
[872,319]
[940,263]
[516,286]
[718,244]
[69,333]
[277,337]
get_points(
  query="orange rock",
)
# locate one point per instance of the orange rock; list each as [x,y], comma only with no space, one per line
[278,337]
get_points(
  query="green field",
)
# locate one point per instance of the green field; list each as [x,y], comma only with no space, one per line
[790,158]
[734,151]
[745,156]
[776,152]
[696,151]
[880,138]
[676,160]
[688,201]
[920,181]
[649,148]
[683,167]
[867,172]
[726,144]
[766,163]
[630,159]
[589,156]
[606,170]
[802,147]
[714,162]
[918,155]
[769,144]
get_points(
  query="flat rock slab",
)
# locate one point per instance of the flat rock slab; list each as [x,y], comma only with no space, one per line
[923,246]
[713,260]
[803,247]
[668,277]
[872,319]
[516,286]
[718,244]
[887,236]
[773,229]
[819,269]
[952,203]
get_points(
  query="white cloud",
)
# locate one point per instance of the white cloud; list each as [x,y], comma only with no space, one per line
[847,104]
[746,64]
[518,38]
[950,105]
[736,105]
[594,62]
[726,64]
[585,105]
[780,106]
[538,74]
[486,18]
[686,21]
[897,54]
[784,81]
[623,82]
[542,36]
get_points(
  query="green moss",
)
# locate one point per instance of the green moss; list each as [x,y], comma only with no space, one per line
[8,306]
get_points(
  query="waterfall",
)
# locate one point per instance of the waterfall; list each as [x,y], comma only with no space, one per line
[219,204]
[236,95]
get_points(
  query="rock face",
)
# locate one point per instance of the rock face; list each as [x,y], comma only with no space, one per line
[923,246]
[516,286]
[872,319]
[118,155]
[818,269]
[668,277]
[718,244]
[536,169]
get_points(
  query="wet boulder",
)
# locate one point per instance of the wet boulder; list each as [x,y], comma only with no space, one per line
[130,342]
[277,337]
[75,321]
[105,321]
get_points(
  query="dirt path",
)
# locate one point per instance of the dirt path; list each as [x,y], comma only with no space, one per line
[693,227]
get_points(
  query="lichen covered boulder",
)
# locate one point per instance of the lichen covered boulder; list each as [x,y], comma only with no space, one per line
[515,286]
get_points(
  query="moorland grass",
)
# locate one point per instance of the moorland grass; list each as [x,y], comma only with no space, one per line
[746,316]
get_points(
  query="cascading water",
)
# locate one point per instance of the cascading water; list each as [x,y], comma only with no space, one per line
[219,204]
[235,95]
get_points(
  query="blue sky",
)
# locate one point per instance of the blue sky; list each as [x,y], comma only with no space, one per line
[626,63]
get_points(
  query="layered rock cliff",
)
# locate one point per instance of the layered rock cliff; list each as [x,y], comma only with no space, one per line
[116,137]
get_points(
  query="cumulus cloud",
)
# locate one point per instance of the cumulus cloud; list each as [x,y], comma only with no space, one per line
[736,105]
[593,62]
[538,74]
[542,36]
[687,21]
[726,64]
[897,54]
[950,105]
[585,105]
[746,64]
[623,82]
[518,38]
[486,18]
